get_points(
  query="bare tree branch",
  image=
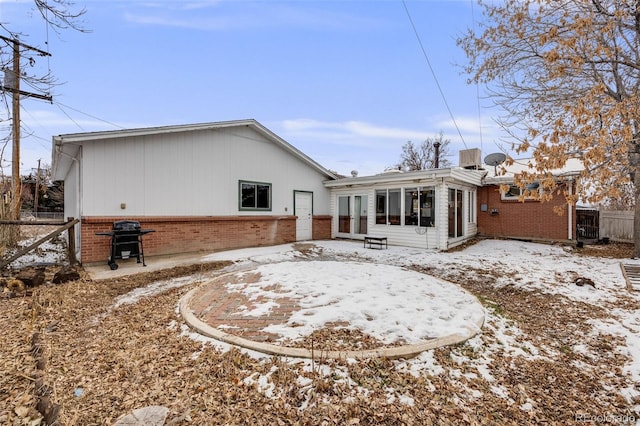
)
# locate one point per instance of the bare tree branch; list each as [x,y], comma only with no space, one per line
[423,157]
[567,75]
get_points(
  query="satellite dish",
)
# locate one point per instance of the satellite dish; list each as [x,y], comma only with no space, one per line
[495,159]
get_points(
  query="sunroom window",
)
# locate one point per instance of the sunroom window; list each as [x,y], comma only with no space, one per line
[388,207]
[419,208]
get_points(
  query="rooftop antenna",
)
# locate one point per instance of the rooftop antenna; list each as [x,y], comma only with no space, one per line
[495,160]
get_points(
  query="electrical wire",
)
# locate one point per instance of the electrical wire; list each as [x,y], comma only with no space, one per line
[473,23]
[68,116]
[31,132]
[426,57]
[60,104]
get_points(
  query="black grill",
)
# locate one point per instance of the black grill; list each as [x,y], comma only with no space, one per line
[126,242]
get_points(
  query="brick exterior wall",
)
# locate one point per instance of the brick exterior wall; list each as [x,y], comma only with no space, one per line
[192,234]
[530,219]
[321,227]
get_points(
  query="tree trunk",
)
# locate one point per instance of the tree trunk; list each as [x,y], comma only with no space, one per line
[636,215]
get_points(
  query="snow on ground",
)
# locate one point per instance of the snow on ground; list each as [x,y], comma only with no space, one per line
[537,268]
[48,253]
[380,300]
[543,268]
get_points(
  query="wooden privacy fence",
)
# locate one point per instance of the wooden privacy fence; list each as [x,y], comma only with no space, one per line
[617,225]
[61,226]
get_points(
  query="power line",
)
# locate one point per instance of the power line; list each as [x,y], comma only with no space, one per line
[426,57]
[68,116]
[60,104]
[473,22]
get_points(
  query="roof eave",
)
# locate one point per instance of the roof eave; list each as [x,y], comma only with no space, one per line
[469,176]
[77,138]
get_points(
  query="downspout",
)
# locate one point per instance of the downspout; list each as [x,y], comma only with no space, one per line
[59,151]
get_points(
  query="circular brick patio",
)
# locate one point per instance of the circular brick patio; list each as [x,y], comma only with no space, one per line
[254,308]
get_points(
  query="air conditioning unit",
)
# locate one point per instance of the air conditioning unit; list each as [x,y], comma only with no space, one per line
[470,158]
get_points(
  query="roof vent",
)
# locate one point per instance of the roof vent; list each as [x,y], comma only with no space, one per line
[354,173]
[470,158]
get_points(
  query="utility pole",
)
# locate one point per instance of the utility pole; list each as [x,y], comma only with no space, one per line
[12,84]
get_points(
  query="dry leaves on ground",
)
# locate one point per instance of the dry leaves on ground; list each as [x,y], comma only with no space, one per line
[102,362]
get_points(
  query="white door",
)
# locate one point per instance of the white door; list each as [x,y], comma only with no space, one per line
[303,210]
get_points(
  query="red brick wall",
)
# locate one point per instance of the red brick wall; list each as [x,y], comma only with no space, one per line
[529,219]
[321,227]
[190,234]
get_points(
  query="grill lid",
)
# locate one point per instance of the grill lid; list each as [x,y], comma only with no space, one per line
[126,225]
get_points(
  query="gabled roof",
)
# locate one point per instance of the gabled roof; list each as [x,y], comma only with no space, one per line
[65,146]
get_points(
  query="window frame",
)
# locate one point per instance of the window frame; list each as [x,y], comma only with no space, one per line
[385,210]
[504,195]
[256,185]
[424,201]
[381,206]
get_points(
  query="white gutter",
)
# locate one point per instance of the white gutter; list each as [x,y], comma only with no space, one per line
[74,159]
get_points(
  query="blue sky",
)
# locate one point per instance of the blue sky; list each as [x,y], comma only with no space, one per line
[346,82]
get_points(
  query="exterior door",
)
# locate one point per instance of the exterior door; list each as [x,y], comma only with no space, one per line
[360,214]
[303,211]
[344,215]
[352,215]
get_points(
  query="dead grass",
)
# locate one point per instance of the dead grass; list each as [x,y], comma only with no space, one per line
[101,362]
[613,250]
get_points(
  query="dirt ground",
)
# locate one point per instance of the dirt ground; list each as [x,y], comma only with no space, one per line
[69,352]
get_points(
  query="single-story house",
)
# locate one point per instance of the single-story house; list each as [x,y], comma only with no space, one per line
[200,187]
[235,184]
[433,208]
[502,213]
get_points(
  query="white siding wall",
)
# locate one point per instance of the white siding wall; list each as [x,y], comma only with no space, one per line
[192,174]
[436,237]
[469,227]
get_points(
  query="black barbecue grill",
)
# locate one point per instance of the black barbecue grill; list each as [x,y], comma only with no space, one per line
[126,242]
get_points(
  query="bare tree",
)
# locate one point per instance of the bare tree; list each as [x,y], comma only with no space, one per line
[568,76]
[16,57]
[423,156]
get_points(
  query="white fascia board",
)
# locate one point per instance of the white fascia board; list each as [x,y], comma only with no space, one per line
[469,176]
[62,157]
[146,131]
[510,179]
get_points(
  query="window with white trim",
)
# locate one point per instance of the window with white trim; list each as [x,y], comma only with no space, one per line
[419,208]
[388,206]
[514,192]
